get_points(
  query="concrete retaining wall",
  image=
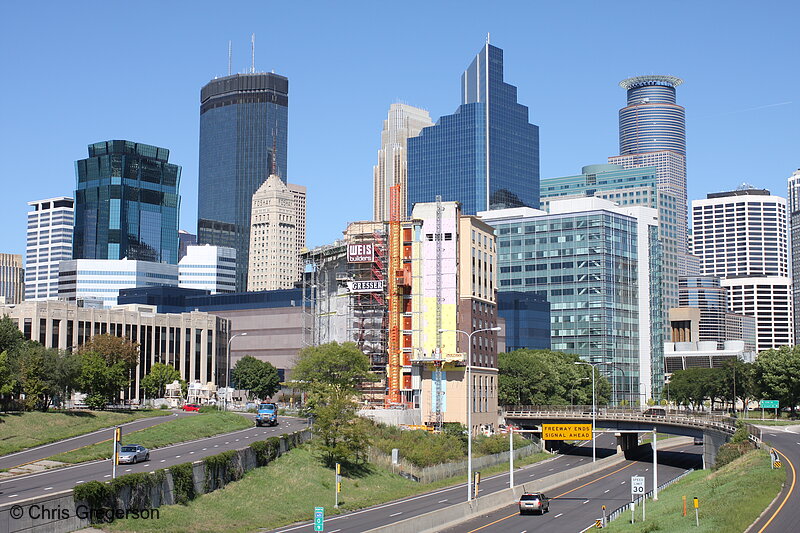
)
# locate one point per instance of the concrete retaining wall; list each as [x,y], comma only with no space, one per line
[60,513]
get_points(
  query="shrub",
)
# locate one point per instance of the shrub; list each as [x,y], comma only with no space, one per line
[220,469]
[731,451]
[266,450]
[183,482]
[96,494]
[208,409]
[139,484]
[496,444]
[163,406]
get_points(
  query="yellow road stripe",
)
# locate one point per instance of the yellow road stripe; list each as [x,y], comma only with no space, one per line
[791,489]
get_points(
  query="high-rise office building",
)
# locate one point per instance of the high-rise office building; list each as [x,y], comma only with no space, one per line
[185,239]
[486,154]
[741,236]
[211,268]
[652,133]
[599,266]
[274,246]
[243,127]
[100,280]
[794,236]
[404,121]
[12,278]
[50,227]
[127,203]
[299,193]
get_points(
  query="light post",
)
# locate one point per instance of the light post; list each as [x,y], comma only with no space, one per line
[594,405]
[469,401]
[228,368]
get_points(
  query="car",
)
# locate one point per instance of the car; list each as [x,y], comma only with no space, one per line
[534,502]
[655,411]
[132,453]
[698,441]
[191,407]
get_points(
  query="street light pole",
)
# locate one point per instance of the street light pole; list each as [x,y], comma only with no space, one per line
[469,401]
[594,406]
[228,368]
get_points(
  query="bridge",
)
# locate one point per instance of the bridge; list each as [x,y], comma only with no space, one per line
[715,430]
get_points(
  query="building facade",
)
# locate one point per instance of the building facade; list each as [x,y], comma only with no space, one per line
[185,239]
[486,154]
[741,236]
[526,317]
[194,343]
[49,241]
[127,203]
[12,278]
[599,266]
[793,207]
[274,253]
[404,121]
[211,268]
[243,132]
[102,279]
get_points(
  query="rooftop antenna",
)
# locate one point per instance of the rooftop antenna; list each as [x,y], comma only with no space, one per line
[487,37]
[253,53]
[229,58]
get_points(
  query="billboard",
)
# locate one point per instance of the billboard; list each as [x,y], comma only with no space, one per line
[361,253]
[375,285]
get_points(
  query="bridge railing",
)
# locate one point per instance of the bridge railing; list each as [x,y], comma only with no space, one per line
[633,414]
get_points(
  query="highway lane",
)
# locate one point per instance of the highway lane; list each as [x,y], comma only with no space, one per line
[79,441]
[18,488]
[575,506]
[372,517]
[784,514]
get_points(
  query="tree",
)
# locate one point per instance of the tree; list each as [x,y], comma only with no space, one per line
[36,375]
[113,350]
[778,375]
[545,377]
[7,378]
[155,383]
[342,437]
[11,337]
[101,381]
[259,378]
[342,366]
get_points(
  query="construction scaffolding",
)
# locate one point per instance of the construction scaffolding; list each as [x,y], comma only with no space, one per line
[395,269]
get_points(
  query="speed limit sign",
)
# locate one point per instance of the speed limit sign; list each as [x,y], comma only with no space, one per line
[637,486]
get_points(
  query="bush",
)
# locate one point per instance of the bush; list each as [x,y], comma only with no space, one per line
[163,406]
[221,469]
[731,451]
[96,494]
[421,448]
[266,450]
[183,482]
[209,409]
[496,444]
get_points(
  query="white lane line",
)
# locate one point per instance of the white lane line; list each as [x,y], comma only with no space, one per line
[177,457]
[605,491]
[127,469]
[237,440]
[395,514]
[442,501]
[204,449]
[163,461]
[81,481]
[48,488]
[227,442]
[147,464]
[13,495]
[550,470]
[584,503]
[107,475]
[216,446]
[569,464]
[646,469]
[336,530]
[622,483]
[190,453]
[532,475]
[559,514]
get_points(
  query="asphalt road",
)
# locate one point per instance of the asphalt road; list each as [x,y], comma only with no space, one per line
[372,517]
[575,506]
[15,489]
[784,514]
[48,450]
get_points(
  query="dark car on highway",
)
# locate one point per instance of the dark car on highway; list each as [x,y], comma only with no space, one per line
[533,502]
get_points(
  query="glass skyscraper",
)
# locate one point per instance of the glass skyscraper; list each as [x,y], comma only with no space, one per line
[243,127]
[486,154]
[127,203]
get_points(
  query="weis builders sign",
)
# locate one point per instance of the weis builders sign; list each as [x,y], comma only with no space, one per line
[361,253]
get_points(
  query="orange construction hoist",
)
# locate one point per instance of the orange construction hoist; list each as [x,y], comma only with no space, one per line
[394,299]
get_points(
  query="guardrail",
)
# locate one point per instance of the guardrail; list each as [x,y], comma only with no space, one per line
[617,512]
[725,424]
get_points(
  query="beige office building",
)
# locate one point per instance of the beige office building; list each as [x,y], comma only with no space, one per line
[12,278]
[277,235]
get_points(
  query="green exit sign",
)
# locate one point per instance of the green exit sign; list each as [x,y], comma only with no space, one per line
[319,518]
[769,404]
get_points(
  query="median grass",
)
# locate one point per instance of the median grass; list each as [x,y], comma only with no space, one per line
[731,498]
[179,430]
[29,429]
[284,492]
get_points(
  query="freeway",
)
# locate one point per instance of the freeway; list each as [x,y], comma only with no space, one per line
[576,505]
[784,514]
[15,489]
[379,515]
[44,451]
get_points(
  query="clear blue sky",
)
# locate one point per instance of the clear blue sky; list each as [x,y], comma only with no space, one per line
[79,72]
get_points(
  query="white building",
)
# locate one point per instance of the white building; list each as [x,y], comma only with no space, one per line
[274,243]
[794,243]
[403,121]
[101,279]
[50,225]
[741,236]
[299,193]
[207,267]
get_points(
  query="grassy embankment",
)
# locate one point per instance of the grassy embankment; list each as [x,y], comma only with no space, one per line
[731,498]
[290,488]
[26,430]
[178,430]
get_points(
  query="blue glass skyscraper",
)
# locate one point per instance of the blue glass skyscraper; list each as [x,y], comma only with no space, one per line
[486,154]
[243,125]
[126,203]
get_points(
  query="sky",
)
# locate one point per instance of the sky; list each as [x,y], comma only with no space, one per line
[75,73]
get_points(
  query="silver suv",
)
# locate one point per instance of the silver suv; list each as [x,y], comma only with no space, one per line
[534,502]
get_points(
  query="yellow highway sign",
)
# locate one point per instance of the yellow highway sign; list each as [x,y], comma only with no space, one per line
[566,431]
[776,464]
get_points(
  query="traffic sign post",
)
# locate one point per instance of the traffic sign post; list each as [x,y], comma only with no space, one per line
[319,518]
[637,491]
[115,458]
[697,512]
[338,484]
[769,404]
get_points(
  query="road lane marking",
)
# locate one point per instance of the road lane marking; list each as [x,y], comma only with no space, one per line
[190,453]
[441,501]
[127,469]
[395,514]
[550,470]
[606,491]
[788,494]
[81,481]
[204,449]
[48,488]
[584,503]
[107,475]
[177,457]
[559,514]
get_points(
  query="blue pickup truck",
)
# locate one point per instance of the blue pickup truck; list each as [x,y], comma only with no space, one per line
[267,415]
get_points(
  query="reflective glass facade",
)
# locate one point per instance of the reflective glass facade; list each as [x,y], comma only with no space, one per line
[652,120]
[527,318]
[127,203]
[242,117]
[486,154]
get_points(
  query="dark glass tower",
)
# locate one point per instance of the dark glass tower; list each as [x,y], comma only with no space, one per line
[127,203]
[243,124]
[486,154]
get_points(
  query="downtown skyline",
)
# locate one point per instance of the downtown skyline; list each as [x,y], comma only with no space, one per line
[744,133]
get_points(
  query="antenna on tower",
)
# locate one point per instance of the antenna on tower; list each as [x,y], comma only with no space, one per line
[229,58]
[487,37]
[253,53]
